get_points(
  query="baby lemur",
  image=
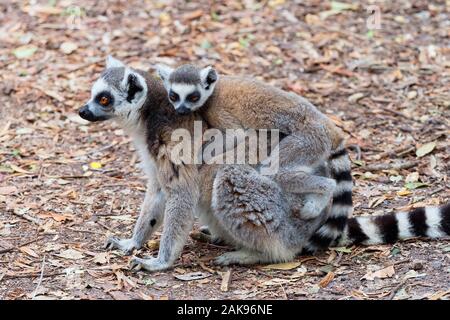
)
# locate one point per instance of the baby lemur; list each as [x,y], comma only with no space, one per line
[311,143]
[244,208]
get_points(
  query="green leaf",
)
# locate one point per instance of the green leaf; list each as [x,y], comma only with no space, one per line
[359,162]
[24,51]
[5,169]
[278,61]
[395,251]
[327,268]
[343,249]
[341,6]
[415,185]
[206,44]
[215,16]
[149,281]
[244,42]
[395,178]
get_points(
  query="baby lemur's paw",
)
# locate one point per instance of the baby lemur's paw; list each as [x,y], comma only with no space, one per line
[150,264]
[313,206]
[125,245]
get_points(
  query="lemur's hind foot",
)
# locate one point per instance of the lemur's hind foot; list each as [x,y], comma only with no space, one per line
[241,257]
[149,264]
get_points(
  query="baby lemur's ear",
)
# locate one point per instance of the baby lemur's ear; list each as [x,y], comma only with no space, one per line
[164,73]
[208,77]
[113,63]
[133,84]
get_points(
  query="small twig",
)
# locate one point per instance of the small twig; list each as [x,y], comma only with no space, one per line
[20,245]
[390,110]
[396,289]
[98,150]
[437,190]
[68,177]
[40,279]
[284,292]
[226,280]
[32,275]
[27,217]
[84,231]
[105,226]
[396,151]
[390,166]
[402,262]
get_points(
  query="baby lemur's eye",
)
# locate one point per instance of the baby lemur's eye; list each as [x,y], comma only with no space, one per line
[193,97]
[173,96]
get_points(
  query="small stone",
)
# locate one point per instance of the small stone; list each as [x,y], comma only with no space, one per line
[68,47]
[412,95]
[417,265]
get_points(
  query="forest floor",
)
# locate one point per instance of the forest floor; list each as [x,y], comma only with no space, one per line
[65,185]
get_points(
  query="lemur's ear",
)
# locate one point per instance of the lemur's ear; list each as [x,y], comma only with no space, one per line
[164,71]
[132,83]
[208,76]
[113,63]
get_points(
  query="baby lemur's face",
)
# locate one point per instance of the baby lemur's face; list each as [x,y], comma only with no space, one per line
[188,87]
[119,91]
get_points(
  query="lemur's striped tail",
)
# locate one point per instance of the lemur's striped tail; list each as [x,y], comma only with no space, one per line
[332,229]
[430,222]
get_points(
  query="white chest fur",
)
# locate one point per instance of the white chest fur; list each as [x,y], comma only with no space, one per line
[147,162]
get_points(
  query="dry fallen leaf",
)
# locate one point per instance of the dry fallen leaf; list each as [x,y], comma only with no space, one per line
[192,276]
[7,190]
[101,258]
[56,216]
[327,279]
[29,251]
[70,254]
[153,244]
[282,266]
[380,274]
[438,295]
[425,149]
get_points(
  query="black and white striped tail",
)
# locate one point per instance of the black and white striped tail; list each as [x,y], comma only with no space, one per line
[332,230]
[430,222]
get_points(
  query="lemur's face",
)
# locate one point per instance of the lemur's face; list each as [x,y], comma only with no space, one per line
[188,87]
[117,92]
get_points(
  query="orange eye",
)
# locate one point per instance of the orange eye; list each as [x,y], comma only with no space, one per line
[104,101]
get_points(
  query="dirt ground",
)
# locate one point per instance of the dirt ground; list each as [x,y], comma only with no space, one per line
[65,185]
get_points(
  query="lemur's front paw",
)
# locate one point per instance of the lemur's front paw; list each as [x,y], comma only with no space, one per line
[125,245]
[150,264]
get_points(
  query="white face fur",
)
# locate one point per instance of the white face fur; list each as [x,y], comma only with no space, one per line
[118,93]
[188,88]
